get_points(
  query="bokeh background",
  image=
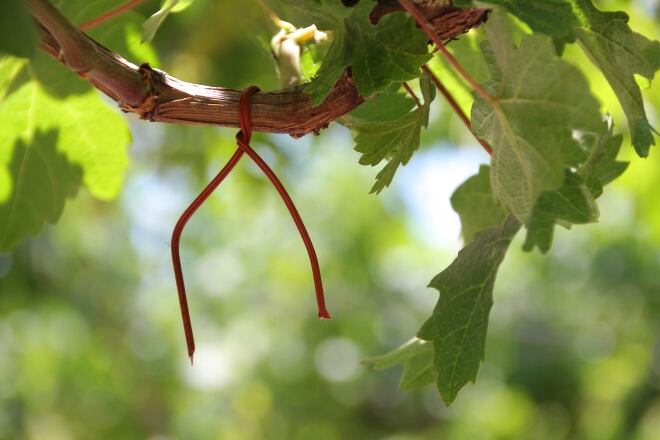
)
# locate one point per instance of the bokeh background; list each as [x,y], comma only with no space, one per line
[91,344]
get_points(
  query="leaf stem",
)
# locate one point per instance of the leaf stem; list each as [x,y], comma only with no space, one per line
[109,15]
[431,32]
[457,108]
[412,94]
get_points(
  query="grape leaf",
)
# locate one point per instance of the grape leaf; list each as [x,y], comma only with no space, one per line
[620,54]
[51,144]
[166,8]
[390,51]
[575,202]
[389,105]
[538,100]
[395,140]
[17,32]
[475,204]
[602,167]
[325,14]
[459,322]
[551,17]
[416,357]
[40,181]
[609,42]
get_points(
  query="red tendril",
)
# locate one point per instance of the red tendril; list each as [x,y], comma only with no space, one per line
[243,138]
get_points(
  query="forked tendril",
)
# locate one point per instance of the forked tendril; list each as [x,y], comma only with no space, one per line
[243,138]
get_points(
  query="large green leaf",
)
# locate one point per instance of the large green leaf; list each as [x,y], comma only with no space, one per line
[51,145]
[395,140]
[390,51]
[538,101]
[609,42]
[459,322]
[621,54]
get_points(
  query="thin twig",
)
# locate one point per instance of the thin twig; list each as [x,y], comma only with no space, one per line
[109,15]
[457,108]
[412,94]
[431,32]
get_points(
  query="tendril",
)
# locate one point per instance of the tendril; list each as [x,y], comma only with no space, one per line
[243,138]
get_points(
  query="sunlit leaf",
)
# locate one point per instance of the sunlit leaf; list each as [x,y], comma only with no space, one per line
[538,100]
[52,145]
[613,47]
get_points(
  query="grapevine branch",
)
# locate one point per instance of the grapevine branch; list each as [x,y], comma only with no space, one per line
[156,96]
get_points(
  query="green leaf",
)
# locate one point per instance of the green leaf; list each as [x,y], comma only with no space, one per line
[17,31]
[166,8]
[416,357]
[379,55]
[389,105]
[336,60]
[325,14]
[475,204]
[609,42]
[310,61]
[40,180]
[602,167]
[52,145]
[575,201]
[551,17]
[538,100]
[395,140]
[621,54]
[459,322]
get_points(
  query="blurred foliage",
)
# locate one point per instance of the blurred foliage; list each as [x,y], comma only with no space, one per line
[91,344]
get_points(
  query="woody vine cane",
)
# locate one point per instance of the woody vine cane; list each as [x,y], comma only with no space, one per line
[243,138]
